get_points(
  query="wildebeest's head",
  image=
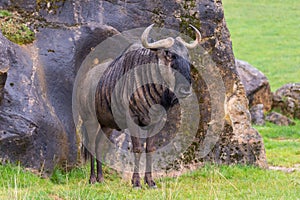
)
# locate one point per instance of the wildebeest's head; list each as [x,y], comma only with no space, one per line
[174,55]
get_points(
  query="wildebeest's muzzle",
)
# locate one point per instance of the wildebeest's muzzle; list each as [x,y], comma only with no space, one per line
[182,76]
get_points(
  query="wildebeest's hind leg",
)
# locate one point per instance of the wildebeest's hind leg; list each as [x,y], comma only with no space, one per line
[92,176]
[137,150]
[88,154]
[101,148]
[150,148]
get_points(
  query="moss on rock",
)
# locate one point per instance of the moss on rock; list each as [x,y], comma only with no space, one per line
[15,27]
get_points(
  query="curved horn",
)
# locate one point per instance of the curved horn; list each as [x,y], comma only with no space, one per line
[165,43]
[194,43]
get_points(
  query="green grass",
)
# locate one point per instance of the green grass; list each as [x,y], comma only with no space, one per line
[266,34]
[282,144]
[209,182]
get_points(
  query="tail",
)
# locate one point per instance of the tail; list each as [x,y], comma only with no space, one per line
[84,152]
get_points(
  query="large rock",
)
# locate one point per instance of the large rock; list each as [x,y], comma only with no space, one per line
[256,85]
[287,100]
[30,131]
[257,114]
[279,119]
[37,127]
[36,123]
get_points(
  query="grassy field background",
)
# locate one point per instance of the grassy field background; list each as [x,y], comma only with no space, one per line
[264,33]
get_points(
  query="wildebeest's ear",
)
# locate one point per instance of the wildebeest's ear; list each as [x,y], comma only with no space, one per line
[164,56]
[167,54]
[168,74]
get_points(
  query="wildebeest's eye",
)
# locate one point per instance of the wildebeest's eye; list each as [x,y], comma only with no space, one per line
[174,56]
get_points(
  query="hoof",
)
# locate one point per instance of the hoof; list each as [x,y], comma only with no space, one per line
[153,186]
[136,183]
[92,180]
[100,179]
[137,187]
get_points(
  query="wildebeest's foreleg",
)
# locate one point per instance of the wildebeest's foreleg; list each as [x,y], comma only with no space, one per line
[150,148]
[137,150]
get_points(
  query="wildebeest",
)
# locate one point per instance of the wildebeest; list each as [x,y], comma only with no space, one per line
[126,93]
